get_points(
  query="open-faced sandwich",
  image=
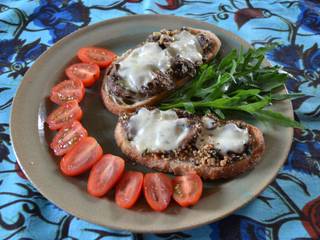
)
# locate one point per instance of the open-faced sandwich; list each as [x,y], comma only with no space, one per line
[181,143]
[166,60]
[175,141]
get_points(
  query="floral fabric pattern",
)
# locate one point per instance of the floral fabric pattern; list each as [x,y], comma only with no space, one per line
[288,208]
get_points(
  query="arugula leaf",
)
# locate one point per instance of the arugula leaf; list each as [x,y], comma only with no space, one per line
[246,92]
[269,81]
[219,113]
[227,60]
[277,118]
[281,97]
[253,107]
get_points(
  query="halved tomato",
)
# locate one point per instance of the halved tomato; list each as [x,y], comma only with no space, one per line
[128,189]
[64,114]
[105,174]
[66,91]
[81,157]
[67,137]
[187,189]
[157,190]
[86,72]
[100,56]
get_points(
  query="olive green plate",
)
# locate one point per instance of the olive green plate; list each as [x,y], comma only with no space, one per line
[30,136]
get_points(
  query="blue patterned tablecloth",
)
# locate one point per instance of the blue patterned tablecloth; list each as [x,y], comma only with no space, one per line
[289,208]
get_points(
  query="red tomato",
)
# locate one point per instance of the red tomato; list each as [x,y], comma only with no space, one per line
[66,91]
[64,114]
[187,189]
[81,157]
[128,189]
[67,137]
[86,72]
[157,190]
[105,174]
[100,56]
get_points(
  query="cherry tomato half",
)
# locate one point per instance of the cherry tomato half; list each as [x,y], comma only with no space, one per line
[86,72]
[67,137]
[128,189]
[64,114]
[100,56]
[187,189]
[105,174]
[157,190]
[66,91]
[81,157]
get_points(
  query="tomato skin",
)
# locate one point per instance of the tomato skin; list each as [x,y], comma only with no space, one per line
[105,174]
[64,114]
[157,190]
[101,56]
[67,137]
[66,91]
[88,73]
[81,157]
[187,189]
[128,189]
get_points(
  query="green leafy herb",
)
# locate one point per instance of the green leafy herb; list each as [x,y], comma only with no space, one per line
[276,117]
[239,82]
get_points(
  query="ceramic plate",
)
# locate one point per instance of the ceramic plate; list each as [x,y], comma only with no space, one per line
[30,136]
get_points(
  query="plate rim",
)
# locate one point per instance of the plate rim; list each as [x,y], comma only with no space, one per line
[14,116]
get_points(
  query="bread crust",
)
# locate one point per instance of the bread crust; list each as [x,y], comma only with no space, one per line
[178,167]
[118,108]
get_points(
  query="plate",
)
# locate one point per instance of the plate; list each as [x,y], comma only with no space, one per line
[30,136]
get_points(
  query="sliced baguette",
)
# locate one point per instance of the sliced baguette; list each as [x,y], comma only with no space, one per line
[116,105]
[174,163]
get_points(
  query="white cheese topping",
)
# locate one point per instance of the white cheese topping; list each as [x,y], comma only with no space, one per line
[227,138]
[139,67]
[187,46]
[207,122]
[157,130]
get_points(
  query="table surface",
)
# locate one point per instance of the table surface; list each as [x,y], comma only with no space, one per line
[289,208]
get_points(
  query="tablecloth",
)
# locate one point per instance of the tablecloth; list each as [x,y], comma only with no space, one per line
[289,208]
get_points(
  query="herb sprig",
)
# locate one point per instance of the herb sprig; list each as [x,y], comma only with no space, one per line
[239,82]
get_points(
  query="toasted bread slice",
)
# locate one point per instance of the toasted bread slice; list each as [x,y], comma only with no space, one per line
[117,103]
[207,161]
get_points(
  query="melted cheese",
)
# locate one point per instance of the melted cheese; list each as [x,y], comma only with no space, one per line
[208,123]
[157,130]
[187,46]
[227,138]
[140,66]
